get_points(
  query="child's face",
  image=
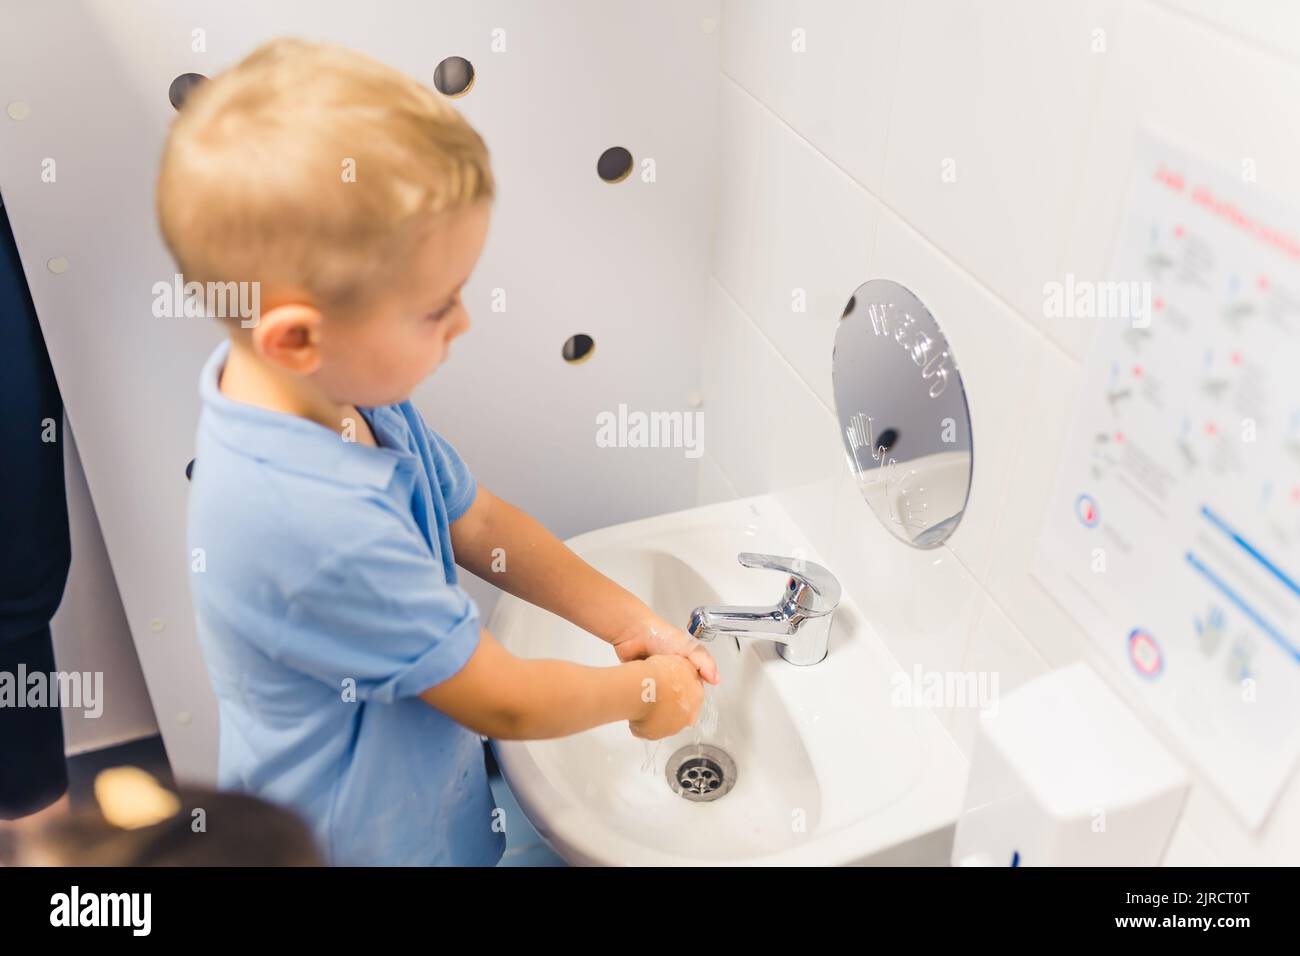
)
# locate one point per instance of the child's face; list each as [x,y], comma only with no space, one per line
[379,358]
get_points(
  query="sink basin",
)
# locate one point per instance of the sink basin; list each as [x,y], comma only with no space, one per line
[818,767]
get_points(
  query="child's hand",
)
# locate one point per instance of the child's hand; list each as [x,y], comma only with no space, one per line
[654,635]
[675,701]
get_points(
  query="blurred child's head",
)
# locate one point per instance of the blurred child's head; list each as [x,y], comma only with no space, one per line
[355,197]
[137,822]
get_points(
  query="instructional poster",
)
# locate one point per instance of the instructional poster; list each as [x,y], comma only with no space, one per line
[1173,531]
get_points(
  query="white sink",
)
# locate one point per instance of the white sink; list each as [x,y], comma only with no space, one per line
[827,770]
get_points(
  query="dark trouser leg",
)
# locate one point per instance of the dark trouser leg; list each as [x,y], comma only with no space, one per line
[33,771]
[34,547]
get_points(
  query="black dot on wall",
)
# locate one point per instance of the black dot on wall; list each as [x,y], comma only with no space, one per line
[578,348]
[189,470]
[887,439]
[454,76]
[614,165]
[181,87]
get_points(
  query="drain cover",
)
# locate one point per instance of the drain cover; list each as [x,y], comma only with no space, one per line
[701,772]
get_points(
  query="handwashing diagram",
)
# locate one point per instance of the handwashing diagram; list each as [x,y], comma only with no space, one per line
[1185,565]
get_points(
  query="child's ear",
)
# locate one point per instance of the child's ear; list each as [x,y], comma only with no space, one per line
[288,336]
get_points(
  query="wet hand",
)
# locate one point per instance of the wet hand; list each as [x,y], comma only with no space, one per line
[671,697]
[653,635]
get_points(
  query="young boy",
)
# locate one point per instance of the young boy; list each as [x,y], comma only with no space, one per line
[326,519]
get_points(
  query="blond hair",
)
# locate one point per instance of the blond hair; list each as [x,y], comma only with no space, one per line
[254,183]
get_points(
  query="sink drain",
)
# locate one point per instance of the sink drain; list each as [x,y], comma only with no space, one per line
[701,772]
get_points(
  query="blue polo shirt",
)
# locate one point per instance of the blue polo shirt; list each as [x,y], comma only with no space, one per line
[325,591]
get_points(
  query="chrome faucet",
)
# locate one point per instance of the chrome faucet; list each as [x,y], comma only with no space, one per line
[800,624]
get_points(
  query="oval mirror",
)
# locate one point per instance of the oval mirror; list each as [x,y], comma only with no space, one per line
[903,415]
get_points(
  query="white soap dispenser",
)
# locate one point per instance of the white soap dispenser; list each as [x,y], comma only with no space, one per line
[1065,774]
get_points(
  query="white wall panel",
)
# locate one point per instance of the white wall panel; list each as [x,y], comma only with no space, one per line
[90,630]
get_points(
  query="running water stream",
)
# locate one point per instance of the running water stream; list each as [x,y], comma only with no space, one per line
[705,726]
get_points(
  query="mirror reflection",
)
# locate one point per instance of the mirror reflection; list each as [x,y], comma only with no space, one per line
[903,415]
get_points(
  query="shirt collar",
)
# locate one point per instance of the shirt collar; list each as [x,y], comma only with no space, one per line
[292,443]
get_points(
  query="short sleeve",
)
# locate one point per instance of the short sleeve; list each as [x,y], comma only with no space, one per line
[381,614]
[454,477]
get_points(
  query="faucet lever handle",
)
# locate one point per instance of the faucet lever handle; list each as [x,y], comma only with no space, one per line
[805,575]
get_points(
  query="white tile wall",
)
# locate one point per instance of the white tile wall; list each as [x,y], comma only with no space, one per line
[831,174]
[850,48]
[1271,25]
[777,244]
[996,356]
[1003,90]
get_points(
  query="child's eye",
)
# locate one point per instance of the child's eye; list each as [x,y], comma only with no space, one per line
[435,316]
